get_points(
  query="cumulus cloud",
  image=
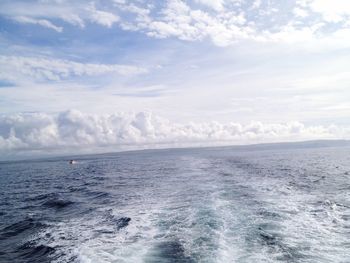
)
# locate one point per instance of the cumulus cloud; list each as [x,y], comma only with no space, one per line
[45,68]
[73,130]
[178,19]
[226,22]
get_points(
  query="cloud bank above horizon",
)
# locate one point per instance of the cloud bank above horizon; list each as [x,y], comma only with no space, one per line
[73,132]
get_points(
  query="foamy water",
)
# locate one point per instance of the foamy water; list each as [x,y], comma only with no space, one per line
[192,205]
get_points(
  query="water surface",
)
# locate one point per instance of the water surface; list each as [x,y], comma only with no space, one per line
[190,205]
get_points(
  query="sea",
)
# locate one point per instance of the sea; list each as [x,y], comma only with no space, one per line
[284,203]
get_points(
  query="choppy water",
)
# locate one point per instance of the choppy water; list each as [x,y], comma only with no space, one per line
[194,205]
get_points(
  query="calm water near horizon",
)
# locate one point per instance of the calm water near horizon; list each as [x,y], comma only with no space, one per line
[181,205]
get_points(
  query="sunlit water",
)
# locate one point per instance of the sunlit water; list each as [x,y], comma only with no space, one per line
[192,205]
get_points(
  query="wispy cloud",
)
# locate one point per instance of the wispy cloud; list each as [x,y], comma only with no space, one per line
[76,13]
[41,22]
[46,68]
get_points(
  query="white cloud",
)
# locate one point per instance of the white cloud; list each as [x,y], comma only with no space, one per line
[299,12]
[224,22]
[102,17]
[217,5]
[39,132]
[73,19]
[41,22]
[179,20]
[44,68]
[290,33]
[42,13]
[256,4]
[228,23]
[332,11]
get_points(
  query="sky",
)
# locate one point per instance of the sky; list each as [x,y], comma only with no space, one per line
[107,75]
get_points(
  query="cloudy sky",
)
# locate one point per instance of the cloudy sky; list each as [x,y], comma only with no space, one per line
[106,75]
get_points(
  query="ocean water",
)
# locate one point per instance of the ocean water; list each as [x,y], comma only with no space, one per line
[189,205]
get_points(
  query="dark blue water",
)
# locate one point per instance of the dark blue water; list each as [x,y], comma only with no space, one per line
[194,205]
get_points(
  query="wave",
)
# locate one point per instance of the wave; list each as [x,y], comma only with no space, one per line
[169,251]
[57,203]
[123,222]
[36,253]
[41,197]
[51,200]
[28,224]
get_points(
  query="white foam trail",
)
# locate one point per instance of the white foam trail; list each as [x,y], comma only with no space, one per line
[266,208]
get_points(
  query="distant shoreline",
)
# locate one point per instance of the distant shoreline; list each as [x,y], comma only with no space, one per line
[247,147]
